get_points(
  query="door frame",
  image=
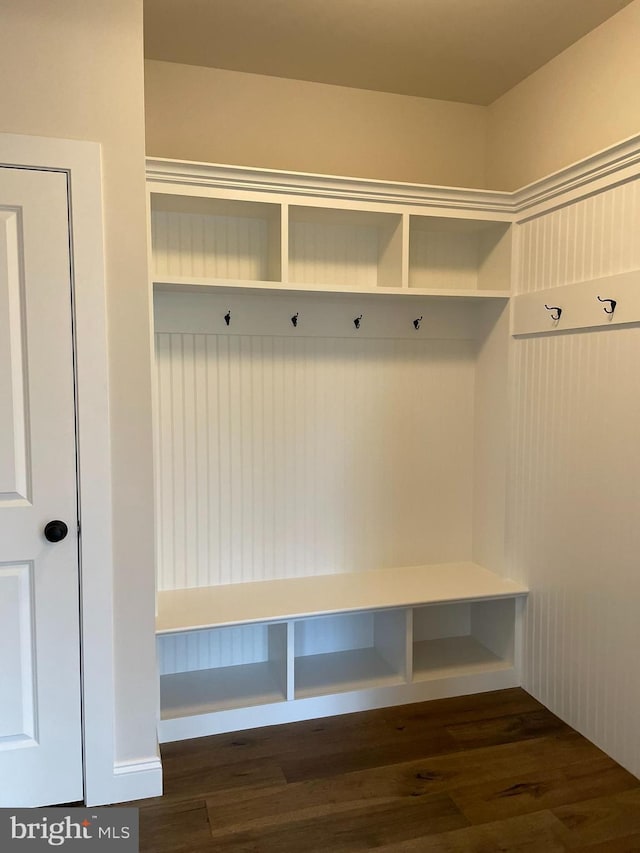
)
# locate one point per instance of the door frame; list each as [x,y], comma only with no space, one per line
[104,780]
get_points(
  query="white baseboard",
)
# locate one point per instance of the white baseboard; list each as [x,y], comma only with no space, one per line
[132,780]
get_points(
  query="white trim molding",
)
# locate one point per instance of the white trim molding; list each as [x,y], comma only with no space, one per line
[137,780]
[248,179]
[619,163]
[81,162]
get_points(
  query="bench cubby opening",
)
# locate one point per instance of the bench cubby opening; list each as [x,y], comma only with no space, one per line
[353,651]
[222,669]
[463,638]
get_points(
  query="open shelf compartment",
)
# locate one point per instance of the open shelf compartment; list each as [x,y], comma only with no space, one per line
[215,680]
[465,638]
[353,651]
[346,248]
[459,254]
[210,238]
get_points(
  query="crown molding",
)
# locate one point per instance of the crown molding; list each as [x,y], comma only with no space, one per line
[616,164]
[613,165]
[246,178]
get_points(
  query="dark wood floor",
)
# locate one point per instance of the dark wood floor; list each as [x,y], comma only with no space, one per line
[484,773]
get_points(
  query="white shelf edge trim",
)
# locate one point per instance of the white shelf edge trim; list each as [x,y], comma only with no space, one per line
[616,163]
[183,283]
[200,608]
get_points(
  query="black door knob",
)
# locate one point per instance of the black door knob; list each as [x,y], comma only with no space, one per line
[55,531]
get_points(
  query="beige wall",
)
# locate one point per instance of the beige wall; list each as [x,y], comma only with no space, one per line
[217,116]
[73,69]
[584,100]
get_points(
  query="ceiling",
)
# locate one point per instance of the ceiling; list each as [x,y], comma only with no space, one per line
[459,50]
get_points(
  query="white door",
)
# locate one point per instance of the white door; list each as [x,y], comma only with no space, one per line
[40,723]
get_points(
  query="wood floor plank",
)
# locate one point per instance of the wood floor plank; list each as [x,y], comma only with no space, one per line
[628,844]
[327,733]
[187,781]
[540,832]
[346,759]
[506,729]
[478,774]
[602,820]
[264,806]
[356,829]
[543,789]
[176,828]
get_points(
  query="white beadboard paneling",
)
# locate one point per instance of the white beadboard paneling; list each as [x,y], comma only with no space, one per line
[344,248]
[212,246]
[458,254]
[333,254]
[285,457]
[592,238]
[574,537]
[574,481]
[444,260]
[218,647]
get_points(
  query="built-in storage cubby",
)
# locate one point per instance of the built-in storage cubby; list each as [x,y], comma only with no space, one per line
[274,241]
[244,666]
[459,639]
[459,254]
[215,238]
[351,651]
[345,248]
[330,435]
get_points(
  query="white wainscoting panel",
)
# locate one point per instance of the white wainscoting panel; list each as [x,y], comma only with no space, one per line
[285,457]
[574,536]
[14,456]
[592,238]
[17,670]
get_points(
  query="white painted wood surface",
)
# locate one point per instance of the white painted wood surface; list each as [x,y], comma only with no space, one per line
[455,681]
[339,672]
[580,304]
[454,656]
[575,482]
[194,284]
[594,237]
[40,722]
[373,657]
[233,604]
[300,464]
[284,457]
[208,241]
[187,694]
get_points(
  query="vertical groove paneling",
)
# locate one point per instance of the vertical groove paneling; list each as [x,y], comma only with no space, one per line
[573,525]
[441,259]
[594,237]
[341,254]
[284,457]
[211,649]
[206,246]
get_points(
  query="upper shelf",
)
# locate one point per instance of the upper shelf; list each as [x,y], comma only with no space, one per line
[269,601]
[217,242]
[198,285]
